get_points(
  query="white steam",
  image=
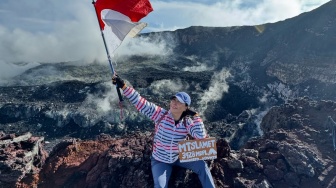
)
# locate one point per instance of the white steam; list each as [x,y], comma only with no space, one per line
[9,70]
[217,89]
[258,120]
[199,67]
[144,46]
[168,86]
[101,104]
[62,31]
[207,64]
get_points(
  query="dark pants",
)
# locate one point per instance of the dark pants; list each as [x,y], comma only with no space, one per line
[161,172]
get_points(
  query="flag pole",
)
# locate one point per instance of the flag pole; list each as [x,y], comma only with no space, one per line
[108,54]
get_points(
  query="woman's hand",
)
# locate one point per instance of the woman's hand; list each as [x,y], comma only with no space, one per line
[120,83]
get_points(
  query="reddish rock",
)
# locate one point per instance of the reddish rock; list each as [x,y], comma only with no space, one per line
[22,157]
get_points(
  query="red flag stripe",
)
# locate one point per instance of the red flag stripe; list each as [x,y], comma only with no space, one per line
[134,9]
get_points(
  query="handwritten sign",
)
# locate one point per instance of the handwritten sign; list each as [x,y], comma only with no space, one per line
[193,150]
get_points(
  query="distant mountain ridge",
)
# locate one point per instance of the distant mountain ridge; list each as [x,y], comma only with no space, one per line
[311,34]
[297,52]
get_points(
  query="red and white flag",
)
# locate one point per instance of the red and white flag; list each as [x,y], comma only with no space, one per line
[119,18]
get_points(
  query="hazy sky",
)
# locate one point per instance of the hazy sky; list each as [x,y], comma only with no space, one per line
[67,30]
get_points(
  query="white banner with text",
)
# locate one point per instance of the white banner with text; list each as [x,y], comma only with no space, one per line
[193,150]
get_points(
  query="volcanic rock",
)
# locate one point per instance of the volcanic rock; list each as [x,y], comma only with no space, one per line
[22,158]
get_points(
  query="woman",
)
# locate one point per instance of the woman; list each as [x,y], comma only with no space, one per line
[171,127]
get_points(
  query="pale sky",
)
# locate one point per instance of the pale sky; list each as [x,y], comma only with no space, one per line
[67,30]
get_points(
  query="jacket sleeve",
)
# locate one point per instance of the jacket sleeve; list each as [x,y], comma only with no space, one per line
[196,128]
[149,109]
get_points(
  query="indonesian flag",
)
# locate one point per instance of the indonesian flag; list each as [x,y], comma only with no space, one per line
[119,18]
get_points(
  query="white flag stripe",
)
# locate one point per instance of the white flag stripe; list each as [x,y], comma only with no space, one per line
[117,27]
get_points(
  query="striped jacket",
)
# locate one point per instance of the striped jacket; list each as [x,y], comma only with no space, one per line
[167,134]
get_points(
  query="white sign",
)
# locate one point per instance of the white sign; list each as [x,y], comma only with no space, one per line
[193,150]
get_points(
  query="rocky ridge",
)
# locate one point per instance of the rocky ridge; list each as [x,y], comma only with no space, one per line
[296,150]
[22,158]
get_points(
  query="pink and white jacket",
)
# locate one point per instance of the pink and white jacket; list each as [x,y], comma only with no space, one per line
[167,134]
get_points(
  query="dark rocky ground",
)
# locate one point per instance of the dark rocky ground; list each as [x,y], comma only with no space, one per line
[296,150]
[73,108]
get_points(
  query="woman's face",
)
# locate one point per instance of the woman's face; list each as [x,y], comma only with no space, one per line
[176,106]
